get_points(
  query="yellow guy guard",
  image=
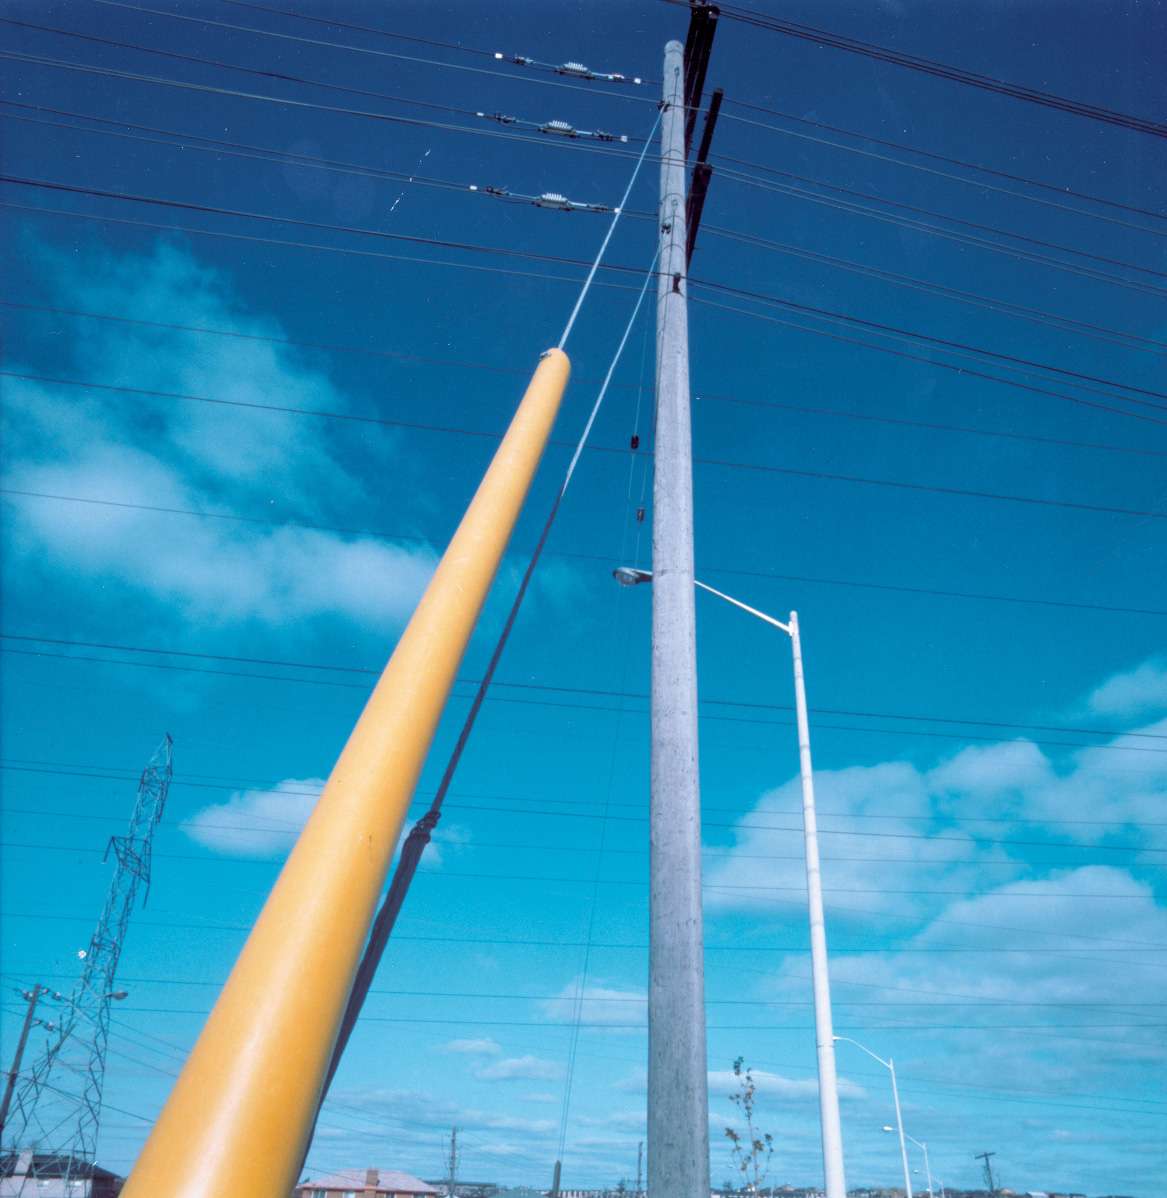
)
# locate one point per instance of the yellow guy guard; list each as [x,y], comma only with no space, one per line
[239,1114]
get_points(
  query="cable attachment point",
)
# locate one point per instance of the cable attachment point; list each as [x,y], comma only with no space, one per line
[501,117]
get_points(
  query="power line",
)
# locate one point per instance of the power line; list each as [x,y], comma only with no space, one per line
[937,363]
[900,421]
[285,101]
[235,783]
[724,463]
[932,230]
[1059,189]
[712,569]
[263,154]
[939,69]
[348,250]
[1063,191]
[1037,315]
[203,20]
[638,1001]
[729,173]
[739,825]
[530,942]
[978,226]
[462,363]
[958,349]
[373,672]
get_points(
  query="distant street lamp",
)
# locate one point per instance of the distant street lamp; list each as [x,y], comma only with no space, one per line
[832,1134]
[924,1148]
[889,1065]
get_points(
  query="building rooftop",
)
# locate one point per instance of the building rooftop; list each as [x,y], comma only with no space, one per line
[369,1181]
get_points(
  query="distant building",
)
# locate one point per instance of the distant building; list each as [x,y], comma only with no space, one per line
[364,1183]
[43,1176]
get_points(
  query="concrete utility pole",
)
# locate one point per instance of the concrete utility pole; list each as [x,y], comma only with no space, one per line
[678,1100]
[639,1167]
[31,996]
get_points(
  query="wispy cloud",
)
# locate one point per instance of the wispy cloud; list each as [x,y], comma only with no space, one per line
[1136,692]
[256,823]
[525,1068]
[484,1047]
[598,1003]
[723,1082]
[179,454]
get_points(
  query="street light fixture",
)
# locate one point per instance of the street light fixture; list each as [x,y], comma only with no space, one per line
[832,1134]
[890,1066]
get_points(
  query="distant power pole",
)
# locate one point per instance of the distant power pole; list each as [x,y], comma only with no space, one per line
[639,1167]
[31,997]
[678,1092]
[985,1156]
[451,1186]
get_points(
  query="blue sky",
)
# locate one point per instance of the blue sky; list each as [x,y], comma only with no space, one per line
[996,907]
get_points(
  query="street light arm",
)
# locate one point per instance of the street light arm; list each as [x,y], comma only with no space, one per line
[874,1057]
[744,606]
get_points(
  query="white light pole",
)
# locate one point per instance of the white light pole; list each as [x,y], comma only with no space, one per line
[832,1133]
[927,1167]
[890,1066]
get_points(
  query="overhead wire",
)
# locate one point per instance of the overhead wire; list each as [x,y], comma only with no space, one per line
[740,825]
[729,173]
[932,230]
[368,50]
[236,783]
[1117,337]
[724,463]
[1011,361]
[372,672]
[711,568]
[462,363]
[928,66]
[980,184]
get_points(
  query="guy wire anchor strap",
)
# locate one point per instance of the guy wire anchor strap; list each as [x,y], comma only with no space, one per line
[577,70]
[558,128]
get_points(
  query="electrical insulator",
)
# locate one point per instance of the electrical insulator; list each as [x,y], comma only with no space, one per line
[640,515]
[635,441]
[560,127]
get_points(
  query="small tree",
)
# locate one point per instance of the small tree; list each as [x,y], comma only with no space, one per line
[753,1150]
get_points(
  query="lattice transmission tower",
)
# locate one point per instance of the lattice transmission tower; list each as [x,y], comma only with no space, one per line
[56,1110]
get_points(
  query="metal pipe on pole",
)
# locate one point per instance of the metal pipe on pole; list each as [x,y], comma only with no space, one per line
[240,1114]
[678,1090]
[832,1133]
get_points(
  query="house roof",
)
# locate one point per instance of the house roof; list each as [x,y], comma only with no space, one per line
[389,1181]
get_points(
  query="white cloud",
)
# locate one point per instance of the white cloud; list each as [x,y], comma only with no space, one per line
[764,869]
[891,833]
[256,823]
[598,1004]
[266,822]
[180,454]
[774,1085]
[485,1047]
[1133,692]
[526,1068]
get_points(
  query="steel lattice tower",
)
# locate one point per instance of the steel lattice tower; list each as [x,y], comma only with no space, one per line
[56,1109]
